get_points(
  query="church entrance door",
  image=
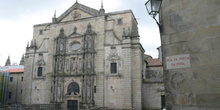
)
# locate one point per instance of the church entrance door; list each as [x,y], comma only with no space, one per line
[72,105]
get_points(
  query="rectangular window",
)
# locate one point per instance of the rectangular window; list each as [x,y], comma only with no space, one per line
[163,101]
[94,89]
[41,32]
[21,91]
[11,79]
[119,21]
[39,72]
[9,95]
[22,78]
[113,67]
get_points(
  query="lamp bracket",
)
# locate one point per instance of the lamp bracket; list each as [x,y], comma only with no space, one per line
[160,27]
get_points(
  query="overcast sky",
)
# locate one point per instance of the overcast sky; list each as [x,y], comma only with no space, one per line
[17,18]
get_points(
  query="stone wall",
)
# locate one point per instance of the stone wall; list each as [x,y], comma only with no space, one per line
[151,94]
[191,28]
[153,85]
[15,87]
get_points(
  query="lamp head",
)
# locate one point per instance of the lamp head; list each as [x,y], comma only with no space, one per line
[153,7]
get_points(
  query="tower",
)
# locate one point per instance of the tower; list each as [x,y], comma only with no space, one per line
[8,62]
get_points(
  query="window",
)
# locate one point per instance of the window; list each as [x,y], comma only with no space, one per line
[41,32]
[39,73]
[73,88]
[163,101]
[113,67]
[75,46]
[21,91]
[22,78]
[9,95]
[119,21]
[94,89]
[11,79]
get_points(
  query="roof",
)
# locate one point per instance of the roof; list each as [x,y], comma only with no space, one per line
[77,5]
[13,69]
[86,9]
[154,62]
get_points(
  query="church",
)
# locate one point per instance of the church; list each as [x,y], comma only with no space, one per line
[85,59]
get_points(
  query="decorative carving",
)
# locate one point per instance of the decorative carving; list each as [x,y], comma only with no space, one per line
[80,65]
[89,28]
[67,65]
[60,65]
[176,80]
[61,47]
[40,62]
[113,57]
[61,32]
[75,29]
[73,64]
[76,15]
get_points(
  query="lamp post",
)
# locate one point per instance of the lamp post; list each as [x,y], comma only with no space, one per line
[153,8]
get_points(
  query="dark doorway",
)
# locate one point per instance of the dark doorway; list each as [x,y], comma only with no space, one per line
[72,105]
[163,101]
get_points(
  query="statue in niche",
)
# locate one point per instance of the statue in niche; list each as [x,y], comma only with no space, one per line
[73,65]
[89,42]
[60,65]
[75,29]
[89,64]
[59,91]
[67,65]
[61,47]
[88,92]
[89,88]
[89,27]
[61,32]
[85,44]
[80,64]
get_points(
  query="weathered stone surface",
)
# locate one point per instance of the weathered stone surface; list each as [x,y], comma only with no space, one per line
[198,86]
[192,27]
[152,95]
[215,42]
[202,59]
[208,99]
[216,57]
[203,72]
[181,99]
[217,71]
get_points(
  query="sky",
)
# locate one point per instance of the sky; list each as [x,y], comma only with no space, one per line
[17,18]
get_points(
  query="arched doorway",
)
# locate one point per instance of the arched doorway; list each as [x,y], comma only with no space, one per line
[73,89]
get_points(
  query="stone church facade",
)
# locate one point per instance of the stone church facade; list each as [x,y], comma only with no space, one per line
[85,58]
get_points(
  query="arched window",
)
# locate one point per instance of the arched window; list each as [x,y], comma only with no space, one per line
[73,88]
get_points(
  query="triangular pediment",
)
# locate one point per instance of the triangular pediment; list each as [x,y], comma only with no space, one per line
[78,11]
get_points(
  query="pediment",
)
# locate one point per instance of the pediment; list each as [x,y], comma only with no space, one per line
[77,11]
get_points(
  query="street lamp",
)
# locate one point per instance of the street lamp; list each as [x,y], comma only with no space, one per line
[153,8]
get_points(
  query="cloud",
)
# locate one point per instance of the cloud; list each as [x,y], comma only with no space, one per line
[150,40]
[18,17]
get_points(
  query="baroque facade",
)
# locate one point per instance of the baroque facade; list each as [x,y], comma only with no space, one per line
[85,58]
